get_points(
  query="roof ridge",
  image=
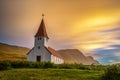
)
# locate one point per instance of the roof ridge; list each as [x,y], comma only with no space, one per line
[53,52]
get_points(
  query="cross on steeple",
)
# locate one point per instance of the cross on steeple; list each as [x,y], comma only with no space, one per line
[43,15]
[42,30]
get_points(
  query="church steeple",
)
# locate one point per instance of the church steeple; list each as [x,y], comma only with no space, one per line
[42,30]
[41,35]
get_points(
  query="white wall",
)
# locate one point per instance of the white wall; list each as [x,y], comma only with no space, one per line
[43,52]
[56,60]
[45,55]
[31,55]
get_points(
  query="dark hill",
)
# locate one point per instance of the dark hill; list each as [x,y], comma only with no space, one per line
[76,56]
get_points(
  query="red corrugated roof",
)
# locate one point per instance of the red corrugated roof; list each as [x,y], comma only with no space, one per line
[53,52]
[42,30]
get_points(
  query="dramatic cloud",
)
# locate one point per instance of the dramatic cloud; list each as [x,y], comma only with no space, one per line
[117,54]
[92,26]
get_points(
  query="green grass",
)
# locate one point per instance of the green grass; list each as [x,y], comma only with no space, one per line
[50,74]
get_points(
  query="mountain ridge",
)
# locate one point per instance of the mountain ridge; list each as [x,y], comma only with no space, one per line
[17,53]
[76,56]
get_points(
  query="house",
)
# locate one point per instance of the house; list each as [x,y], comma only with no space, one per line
[40,52]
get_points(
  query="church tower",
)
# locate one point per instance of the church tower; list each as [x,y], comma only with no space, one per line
[41,53]
[41,36]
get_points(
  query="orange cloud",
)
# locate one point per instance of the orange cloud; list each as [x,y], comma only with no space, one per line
[74,23]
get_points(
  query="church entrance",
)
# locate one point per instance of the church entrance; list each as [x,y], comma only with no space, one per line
[38,58]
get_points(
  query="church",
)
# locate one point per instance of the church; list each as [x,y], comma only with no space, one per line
[40,52]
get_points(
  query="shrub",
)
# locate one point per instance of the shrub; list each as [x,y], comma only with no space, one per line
[48,65]
[98,67]
[112,73]
[65,66]
[36,65]
[83,67]
[20,64]
[5,65]
[26,64]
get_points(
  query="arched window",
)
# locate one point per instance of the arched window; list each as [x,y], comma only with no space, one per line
[38,47]
[39,38]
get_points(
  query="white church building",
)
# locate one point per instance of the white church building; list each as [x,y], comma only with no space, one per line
[40,52]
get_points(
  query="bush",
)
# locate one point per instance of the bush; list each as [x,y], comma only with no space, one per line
[112,73]
[83,67]
[65,66]
[98,67]
[37,65]
[73,66]
[21,64]
[5,65]
[48,65]
[26,64]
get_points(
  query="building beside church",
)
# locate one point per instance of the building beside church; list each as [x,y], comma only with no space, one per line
[40,52]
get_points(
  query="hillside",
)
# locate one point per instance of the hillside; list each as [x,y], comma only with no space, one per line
[11,52]
[76,56]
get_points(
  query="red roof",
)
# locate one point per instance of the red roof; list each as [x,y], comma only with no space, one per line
[53,52]
[42,30]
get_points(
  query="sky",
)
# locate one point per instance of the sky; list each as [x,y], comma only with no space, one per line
[92,26]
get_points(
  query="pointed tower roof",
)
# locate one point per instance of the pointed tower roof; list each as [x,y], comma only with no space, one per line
[42,30]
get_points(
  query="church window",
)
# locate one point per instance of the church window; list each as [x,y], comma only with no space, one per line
[40,38]
[38,47]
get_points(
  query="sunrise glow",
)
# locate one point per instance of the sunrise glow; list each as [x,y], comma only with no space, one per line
[92,25]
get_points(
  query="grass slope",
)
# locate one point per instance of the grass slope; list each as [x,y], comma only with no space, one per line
[49,74]
[9,52]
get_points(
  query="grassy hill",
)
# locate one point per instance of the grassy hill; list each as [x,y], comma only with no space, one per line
[11,52]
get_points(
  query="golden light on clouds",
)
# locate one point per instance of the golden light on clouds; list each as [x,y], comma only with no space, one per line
[82,24]
[89,47]
[89,35]
[72,23]
[95,23]
[100,21]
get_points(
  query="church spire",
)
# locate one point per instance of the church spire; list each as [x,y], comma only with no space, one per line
[42,15]
[42,30]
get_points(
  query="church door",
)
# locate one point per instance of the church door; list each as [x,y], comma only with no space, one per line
[38,58]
